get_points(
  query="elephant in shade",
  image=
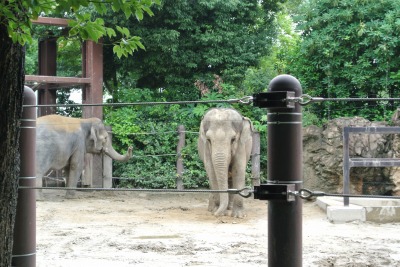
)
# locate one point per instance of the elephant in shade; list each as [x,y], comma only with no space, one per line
[62,142]
[224,145]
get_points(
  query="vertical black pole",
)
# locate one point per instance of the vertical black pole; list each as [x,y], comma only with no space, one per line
[24,247]
[285,158]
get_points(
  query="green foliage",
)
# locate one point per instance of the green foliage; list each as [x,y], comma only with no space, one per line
[275,62]
[63,98]
[152,130]
[18,14]
[349,49]
[190,41]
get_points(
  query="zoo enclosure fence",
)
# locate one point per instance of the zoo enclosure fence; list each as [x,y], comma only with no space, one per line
[295,232]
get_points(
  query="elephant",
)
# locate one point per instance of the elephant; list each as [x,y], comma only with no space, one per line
[62,142]
[224,146]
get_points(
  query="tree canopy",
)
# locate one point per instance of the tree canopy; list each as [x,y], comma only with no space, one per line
[188,42]
[349,49]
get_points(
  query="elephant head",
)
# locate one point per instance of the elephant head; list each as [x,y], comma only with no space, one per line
[98,142]
[224,145]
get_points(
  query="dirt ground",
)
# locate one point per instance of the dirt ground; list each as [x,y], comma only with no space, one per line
[151,229]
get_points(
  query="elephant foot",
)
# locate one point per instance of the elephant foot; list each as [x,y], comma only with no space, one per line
[222,212]
[212,206]
[237,213]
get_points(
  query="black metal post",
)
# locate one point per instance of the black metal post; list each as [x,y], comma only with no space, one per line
[346,166]
[24,247]
[285,157]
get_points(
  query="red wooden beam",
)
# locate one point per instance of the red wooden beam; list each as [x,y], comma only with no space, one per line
[57,79]
[51,21]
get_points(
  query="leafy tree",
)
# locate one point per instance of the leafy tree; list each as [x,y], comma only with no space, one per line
[275,62]
[191,41]
[349,49]
[15,31]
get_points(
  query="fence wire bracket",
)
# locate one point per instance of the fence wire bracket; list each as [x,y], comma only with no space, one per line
[274,99]
[275,192]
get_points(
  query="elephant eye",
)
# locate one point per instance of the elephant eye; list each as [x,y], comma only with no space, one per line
[233,140]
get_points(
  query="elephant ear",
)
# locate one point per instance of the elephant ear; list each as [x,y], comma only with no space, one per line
[246,136]
[201,143]
[238,126]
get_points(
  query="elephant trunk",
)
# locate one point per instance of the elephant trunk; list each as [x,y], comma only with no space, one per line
[109,151]
[221,164]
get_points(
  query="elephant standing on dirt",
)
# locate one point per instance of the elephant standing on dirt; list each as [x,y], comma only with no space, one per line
[224,145]
[62,142]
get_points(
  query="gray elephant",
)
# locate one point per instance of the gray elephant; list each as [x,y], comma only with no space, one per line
[62,142]
[224,145]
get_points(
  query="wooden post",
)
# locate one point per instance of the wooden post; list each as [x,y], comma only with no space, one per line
[92,55]
[255,159]
[48,67]
[179,161]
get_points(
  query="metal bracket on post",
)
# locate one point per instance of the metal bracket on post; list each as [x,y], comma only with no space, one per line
[276,99]
[275,192]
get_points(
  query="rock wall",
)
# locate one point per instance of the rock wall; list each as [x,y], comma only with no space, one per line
[323,158]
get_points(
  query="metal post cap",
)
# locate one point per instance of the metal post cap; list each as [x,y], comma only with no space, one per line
[29,96]
[285,82]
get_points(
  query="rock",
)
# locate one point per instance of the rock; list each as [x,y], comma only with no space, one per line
[323,158]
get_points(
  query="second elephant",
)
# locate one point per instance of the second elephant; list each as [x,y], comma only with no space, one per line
[224,145]
[62,142]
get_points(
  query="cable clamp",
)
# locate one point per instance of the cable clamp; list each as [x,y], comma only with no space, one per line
[304,99]
[247,100]
[244,192]
[275,99]
[275,192]
[307,194]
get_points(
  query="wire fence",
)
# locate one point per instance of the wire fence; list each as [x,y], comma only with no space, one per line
[303,100]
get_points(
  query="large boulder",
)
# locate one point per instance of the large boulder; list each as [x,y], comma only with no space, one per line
[323,158]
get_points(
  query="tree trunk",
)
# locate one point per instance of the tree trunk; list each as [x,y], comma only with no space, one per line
[12,57]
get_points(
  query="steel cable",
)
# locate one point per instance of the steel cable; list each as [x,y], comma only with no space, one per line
[243,100]
[244,192]
[307,99]
[309,194]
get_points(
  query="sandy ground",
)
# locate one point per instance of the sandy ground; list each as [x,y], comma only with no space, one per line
[150,229]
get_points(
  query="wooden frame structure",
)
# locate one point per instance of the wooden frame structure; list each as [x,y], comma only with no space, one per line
[48,81]
[92,88]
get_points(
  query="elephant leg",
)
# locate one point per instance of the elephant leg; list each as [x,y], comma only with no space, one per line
[238,182]
[213,200]
[39,183]
[73,172]
[231,196]
[223,198]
